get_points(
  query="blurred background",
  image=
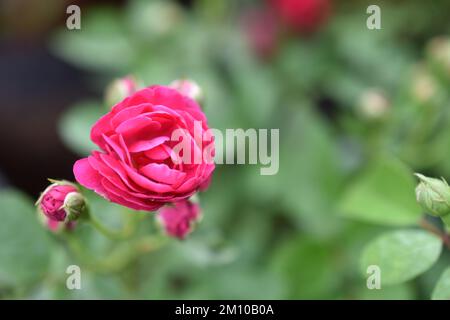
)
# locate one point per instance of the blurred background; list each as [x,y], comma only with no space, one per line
[358,110]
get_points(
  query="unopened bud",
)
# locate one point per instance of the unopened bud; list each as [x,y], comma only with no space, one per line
[61,202]
[424,86]
[178,220]
[119,89]
[189,88]
[74,204]
[373,104]
[438,49]
[433,195]
[54,225]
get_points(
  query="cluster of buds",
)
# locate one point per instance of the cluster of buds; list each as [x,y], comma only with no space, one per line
[60,205]
[121,88]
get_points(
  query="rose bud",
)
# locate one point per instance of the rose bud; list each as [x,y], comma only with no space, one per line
[119,89]
[188,88]
[373,104]
[178,220]
[61,201]
[438,50]
[433,195]
[302,16]
[424,87]
[54,225]
[261,31]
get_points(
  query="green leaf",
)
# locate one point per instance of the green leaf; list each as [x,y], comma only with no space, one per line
[307,269]
[442,289]
[310,173]
[401,255]
[24,244]
[102,44]
[398,292]
[75,126]
[382,194]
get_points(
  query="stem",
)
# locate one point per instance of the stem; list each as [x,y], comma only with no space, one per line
[150,243]
[446,221]
[125,233]
[117,259]
[435,230]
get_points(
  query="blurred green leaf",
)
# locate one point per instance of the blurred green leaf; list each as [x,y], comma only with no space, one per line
[442,289]
[75,126]
[398,292]
[93,286]
[382,194]
[307,269]
[235,282]
[401,255]
[149,20]
[102,44]
[309,179]
[304,65]
[24,244]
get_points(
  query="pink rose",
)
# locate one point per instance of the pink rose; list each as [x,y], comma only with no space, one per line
[302,16]
[178,219]
[137,166]
[53,199]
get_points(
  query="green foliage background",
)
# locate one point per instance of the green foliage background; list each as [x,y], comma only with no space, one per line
[343,198]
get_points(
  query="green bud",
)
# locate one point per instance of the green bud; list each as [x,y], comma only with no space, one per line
[74,205]
[433,195]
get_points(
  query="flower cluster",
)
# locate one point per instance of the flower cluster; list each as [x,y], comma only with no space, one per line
[137,165]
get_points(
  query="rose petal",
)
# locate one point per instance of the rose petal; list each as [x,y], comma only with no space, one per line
[161,152]
[143,145]
[146,183]
[135,124]
[126,199]
[119,150]
[162,173]
[118,168]
[88,176]
[130,112]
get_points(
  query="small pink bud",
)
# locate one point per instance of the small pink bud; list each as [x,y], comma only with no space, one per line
[61,201]
[189,88]
[119,89]
[261,31]
[178,219]
[54,225]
